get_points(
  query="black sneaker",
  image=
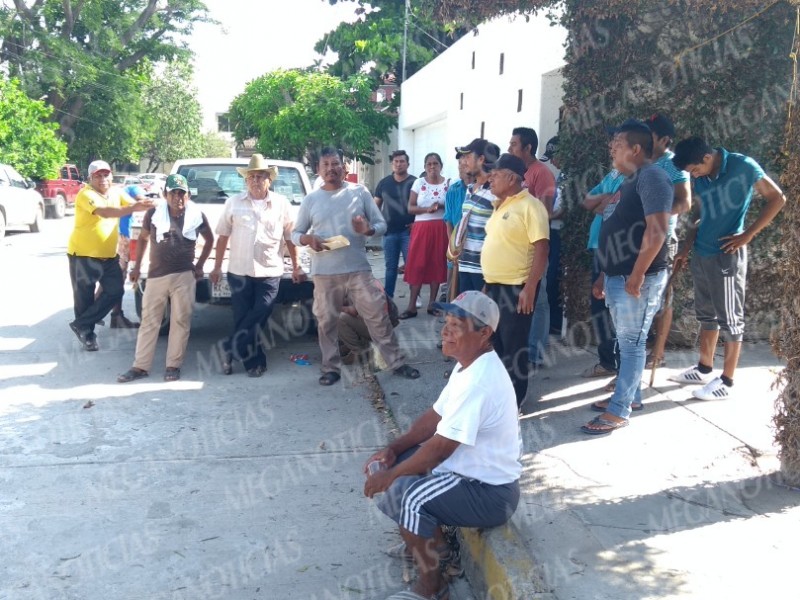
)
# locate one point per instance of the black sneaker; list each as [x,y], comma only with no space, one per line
[90,343]
[78,333]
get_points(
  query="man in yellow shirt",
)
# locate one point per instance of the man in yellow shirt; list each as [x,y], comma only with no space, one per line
[513,260]
[92,250]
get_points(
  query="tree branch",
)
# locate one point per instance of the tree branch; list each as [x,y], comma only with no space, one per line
[139,24]
[130,60]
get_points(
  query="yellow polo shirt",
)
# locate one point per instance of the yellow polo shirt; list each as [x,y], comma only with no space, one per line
[507,253]
[93,236]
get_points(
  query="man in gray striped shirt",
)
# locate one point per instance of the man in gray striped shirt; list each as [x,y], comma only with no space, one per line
[479,158]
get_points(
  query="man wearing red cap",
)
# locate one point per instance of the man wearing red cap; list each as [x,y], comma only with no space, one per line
[92,250]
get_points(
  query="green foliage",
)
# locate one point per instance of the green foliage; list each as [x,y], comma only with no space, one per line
[76,53]
[173,117]
[28,139]
[213,145]
[113,125]
[716,75]
[294,113]
[719,68]
[377,37]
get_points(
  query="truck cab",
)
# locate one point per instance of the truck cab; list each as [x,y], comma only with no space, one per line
[211,182]
[59,194]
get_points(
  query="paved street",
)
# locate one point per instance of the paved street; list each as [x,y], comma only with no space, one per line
[211,487]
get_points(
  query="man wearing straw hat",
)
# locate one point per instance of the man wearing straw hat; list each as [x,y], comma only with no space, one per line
[258,224]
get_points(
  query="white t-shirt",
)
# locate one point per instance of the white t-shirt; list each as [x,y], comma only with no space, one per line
[427,194]
[479,410]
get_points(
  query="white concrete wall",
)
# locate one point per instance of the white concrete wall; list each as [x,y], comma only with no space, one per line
[432,118]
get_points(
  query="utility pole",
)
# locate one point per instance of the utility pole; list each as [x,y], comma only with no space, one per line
[405,40]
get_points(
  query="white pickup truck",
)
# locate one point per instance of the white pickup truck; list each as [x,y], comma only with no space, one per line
[211,182]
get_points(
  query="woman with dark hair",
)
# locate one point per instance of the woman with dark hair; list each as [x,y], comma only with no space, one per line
[427,252]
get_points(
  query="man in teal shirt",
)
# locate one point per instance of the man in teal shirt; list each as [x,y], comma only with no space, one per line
[723,185]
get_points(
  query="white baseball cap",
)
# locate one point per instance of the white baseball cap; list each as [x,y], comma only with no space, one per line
[475,305]
[98,165]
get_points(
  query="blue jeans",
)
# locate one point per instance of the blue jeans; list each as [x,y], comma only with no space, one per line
[632,317]
[539,336]
[393,245]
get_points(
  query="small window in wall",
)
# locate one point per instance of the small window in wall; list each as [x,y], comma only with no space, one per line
[461,106]
[519,101]
[502,61]
[483,128]
[473,60]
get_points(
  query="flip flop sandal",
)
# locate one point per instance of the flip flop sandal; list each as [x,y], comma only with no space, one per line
[599,407]
[132,375]
[606,426]
[329,378]
[172,374]
[407,314]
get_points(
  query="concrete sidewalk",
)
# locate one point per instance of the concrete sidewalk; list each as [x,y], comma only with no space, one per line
[683,503]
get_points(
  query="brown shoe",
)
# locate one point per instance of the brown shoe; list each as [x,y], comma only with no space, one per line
[120,321]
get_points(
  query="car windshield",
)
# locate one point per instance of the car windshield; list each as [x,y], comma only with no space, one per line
[213,184]
[119,179]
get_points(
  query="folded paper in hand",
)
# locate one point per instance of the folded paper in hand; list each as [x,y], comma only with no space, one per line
[334,243]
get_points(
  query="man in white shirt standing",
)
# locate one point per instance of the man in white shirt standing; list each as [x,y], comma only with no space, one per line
[258,224]
[458,464]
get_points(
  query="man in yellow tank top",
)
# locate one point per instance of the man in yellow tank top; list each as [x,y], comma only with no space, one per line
[92,250]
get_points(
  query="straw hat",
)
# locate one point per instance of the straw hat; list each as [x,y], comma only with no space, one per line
[258,163]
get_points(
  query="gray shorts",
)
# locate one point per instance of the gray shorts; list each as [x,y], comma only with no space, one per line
[420,503]
[719,286]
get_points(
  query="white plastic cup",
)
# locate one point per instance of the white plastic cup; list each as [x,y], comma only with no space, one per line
[375,466]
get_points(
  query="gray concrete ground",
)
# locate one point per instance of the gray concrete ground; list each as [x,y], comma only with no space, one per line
[683,503]
[234,488]
[210,487]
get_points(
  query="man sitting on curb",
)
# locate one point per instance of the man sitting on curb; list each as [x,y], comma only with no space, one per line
[458,464]
[172,228]
[354,339]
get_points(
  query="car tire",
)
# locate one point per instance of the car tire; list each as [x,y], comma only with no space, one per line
[36,226]
[138,296]
[59,208]
[2,225]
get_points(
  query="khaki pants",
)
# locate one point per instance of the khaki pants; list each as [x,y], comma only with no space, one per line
[179,289]
[368,298]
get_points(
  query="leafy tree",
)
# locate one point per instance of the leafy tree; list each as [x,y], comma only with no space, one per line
[28,140]
[376,38]
[114,125]
[294,113]
[214,146]
[72,51]
[173,117]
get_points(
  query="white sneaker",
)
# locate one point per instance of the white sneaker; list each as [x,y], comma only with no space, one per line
[419,303]
[691,376]
[715,390]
